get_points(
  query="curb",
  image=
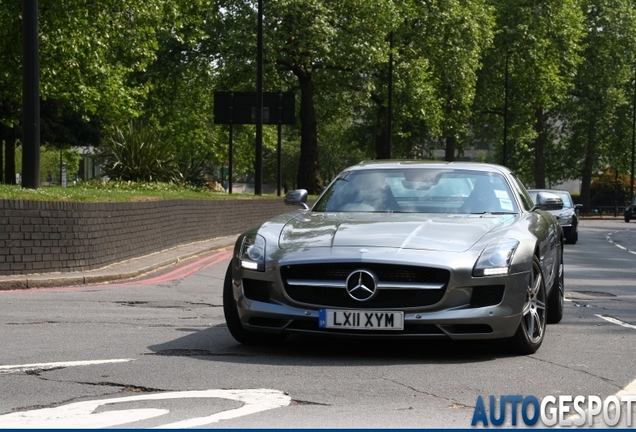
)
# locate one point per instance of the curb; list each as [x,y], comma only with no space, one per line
[124,270]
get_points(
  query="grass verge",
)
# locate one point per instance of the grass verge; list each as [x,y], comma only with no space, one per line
[117,191]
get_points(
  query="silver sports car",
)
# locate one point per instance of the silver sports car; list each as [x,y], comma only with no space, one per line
[403,249]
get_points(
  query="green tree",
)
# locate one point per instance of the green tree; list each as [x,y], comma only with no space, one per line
[89,54]
[528,72]
[595,115]
[320,47]
[452,36]
[50,163]
[182,80]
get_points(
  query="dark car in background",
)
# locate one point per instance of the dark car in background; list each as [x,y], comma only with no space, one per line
[630,211]
[568,216]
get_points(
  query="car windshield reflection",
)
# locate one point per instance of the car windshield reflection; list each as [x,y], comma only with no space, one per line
[418,191]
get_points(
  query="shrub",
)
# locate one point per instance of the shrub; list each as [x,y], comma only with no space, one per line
[138,152]
[608,190]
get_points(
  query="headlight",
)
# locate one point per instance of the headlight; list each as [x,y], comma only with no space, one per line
[252,254]
[565,219]
[495,259]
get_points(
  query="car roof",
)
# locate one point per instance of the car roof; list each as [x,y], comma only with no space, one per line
[548,190]
[397,164]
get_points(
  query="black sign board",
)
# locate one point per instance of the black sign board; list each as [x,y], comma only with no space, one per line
[240,108]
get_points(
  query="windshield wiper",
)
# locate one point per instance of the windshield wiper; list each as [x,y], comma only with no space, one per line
[494,213]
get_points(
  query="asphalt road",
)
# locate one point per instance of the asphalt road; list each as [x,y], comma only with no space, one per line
[156,353]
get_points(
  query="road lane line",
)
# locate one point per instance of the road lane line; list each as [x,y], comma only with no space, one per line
[254,401]
[83,415]
[608,237]
[55,365]
[616,321]
[630,390]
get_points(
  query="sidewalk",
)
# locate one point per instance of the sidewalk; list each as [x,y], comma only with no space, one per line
[119,271]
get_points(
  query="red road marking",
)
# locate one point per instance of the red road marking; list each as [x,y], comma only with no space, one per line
[178,273]
[186,270]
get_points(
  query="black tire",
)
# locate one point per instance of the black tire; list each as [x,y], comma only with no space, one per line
[556,300]
[573,237]
[531,331]
[233,320]
[627,218]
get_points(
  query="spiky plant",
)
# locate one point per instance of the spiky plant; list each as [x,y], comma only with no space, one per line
[138,152]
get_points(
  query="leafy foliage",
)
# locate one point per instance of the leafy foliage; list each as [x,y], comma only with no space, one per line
[560,72]
[610,189]
[192,170]
[138,152]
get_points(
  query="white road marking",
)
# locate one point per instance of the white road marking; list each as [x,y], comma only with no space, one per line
[48,366]
[630,390]
[616,321]
[80,414]
[608,237]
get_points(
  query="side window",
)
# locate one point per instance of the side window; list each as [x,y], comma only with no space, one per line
[526,201]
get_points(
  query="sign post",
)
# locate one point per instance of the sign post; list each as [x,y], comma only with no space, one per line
[278,108]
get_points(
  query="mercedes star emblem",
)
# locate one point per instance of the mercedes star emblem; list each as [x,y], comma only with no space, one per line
[361,285]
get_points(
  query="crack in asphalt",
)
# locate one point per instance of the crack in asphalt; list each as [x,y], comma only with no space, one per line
[125,388]
[605,379]
[196,353]
[33,323]
[37,407]
[454,403]
[302,402]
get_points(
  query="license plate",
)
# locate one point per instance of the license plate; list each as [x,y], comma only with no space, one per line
[360,320]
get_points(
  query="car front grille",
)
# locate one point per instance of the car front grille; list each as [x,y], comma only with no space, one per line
[321,294]
[256,290]
[489,295]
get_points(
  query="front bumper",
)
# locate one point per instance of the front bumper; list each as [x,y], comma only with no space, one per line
[455,316]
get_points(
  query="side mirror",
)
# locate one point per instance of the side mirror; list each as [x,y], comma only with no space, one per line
[578,207]
[548,201]
[297,197]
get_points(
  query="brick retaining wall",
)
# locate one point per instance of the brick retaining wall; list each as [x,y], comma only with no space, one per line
[41,237]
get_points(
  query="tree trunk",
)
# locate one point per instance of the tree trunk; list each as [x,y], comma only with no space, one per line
[9,157]
[588,166]
[309,164]
[539,149]
[382,150]
[3,139]
[451,145]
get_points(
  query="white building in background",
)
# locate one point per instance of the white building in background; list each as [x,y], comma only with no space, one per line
[88,168]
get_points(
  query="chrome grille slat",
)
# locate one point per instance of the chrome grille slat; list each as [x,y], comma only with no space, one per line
[406,285]
[381,285]
[316,283]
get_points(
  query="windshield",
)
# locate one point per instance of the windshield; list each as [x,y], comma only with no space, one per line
[418,190]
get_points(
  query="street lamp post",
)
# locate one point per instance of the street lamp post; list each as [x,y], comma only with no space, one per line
[389,119]
[30,96]
[631,196]
[505,119]
[258,169]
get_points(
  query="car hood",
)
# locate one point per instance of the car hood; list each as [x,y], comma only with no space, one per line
[452,233]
